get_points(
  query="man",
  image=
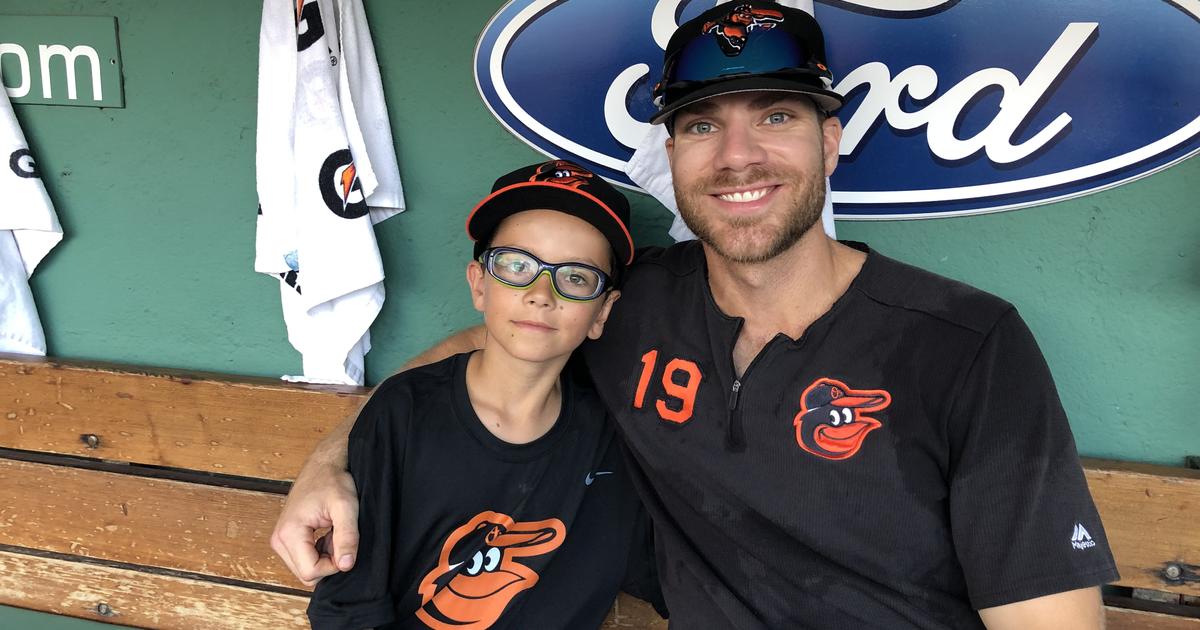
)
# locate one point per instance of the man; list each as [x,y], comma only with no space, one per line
[826,438]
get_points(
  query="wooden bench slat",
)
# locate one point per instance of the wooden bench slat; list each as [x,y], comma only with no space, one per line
[1152,517]
[142,599]
[631,612]
[232,425]
[263,428]
[1125,619]
[208,530]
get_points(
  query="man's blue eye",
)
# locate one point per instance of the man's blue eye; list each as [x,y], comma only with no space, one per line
[777,117]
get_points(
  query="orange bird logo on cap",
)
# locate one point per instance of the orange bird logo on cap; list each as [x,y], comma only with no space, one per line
[477,574]
[737,24]
[562,172]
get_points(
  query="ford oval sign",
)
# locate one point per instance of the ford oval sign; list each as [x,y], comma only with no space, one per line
[952,107]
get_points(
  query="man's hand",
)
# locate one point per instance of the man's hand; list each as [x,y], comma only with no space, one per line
[323,496]
[1080,609]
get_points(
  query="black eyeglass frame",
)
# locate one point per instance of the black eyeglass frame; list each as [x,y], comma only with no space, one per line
[487,258]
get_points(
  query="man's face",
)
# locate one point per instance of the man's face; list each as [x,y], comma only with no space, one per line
[750,170]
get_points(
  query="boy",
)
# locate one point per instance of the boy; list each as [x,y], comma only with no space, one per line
[492,487]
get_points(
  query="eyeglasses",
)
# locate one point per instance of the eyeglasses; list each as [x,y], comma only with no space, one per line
[517,268]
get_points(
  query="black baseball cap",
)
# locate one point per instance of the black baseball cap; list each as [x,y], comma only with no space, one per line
[555,185]
[745,47]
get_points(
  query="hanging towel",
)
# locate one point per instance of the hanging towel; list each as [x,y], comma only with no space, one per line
[29,229]
[327,172]
[649,169]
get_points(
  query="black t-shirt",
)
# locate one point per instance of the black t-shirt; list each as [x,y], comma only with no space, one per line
[461,529]
[902,464]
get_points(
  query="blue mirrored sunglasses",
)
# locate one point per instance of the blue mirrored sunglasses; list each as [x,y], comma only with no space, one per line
[517,268]
[760,51]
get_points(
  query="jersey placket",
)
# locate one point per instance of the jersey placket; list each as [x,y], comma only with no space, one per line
[723,334]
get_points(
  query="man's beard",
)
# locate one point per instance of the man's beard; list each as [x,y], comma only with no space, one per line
[750,240]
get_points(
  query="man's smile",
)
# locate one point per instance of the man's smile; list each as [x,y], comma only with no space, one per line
[745,200]
[744,196]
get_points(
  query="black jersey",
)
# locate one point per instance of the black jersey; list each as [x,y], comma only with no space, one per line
[461,529]
[902,464]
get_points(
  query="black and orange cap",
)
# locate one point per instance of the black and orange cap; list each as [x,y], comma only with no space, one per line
[745,46]
[555,185]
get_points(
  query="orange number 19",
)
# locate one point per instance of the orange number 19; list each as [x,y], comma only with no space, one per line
[686,393]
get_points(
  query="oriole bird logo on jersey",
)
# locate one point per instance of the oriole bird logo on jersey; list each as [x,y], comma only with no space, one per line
[562,172]
[732,29]
[477,574]
[831,422]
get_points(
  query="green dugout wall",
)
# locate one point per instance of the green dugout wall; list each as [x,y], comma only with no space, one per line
[158,203]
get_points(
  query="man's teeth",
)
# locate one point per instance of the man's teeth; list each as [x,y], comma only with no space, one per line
[744,196]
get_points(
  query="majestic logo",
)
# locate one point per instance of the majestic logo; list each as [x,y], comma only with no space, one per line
[732,29]
[831,423]
[952,108]
[340,187]
[1081,539]
[22,164]
[477,574]
[562,172]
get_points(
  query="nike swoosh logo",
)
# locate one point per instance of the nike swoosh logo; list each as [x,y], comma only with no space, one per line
[587,481]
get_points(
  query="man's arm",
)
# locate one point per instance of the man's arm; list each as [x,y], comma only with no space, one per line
[1081,609]
[323,494]
[465,340]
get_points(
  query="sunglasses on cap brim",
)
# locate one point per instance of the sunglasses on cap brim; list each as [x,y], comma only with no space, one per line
[774,52]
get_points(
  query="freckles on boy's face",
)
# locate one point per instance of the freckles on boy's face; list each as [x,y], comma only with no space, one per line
[533,323]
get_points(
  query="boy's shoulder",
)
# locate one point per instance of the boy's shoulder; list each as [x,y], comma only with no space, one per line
[395,403]
[421,378]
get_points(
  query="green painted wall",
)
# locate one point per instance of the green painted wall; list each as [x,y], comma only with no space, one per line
[158,203]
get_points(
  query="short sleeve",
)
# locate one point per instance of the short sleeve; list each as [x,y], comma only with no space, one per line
[360,598]
[1022,517]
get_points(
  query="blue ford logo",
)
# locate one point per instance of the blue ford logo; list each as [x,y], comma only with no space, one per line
[952,107]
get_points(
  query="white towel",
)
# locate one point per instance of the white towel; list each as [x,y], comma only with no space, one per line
[327,172]
[649,169]
[29,229]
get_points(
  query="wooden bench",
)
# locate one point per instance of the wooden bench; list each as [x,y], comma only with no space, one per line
[145,498]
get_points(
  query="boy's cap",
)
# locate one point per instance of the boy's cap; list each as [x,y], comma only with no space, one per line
[555,185]
[745,47]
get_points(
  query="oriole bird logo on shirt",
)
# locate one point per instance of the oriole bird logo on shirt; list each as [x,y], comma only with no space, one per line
[831,422]
[477,574]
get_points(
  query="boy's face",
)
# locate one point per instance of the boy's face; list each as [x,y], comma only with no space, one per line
[534,324]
